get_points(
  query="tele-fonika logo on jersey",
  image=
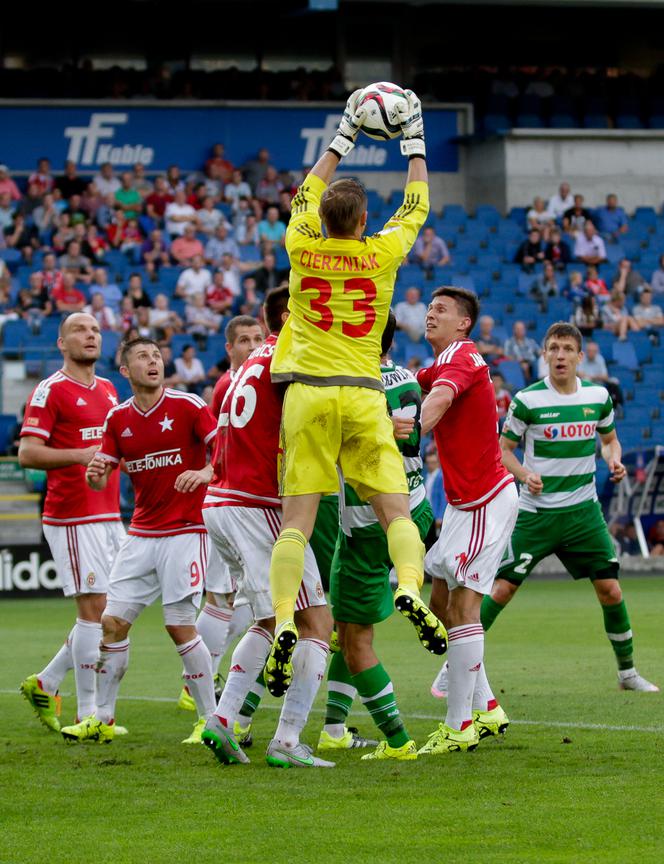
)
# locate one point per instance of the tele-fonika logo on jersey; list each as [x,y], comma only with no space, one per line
[160,459]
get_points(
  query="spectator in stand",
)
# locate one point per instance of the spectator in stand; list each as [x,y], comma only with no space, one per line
[187,247]
[137,293]
[30,202]
[131,236]
[67,298]
[50,273]
[656,538]
[194,280]
[589,246]
[171,377]
[23,237]
[196,196]
[36,304]
[593,368]
[212,182]
[236,189]
[219,297]
[628,280]
[576,217]
[7,211]
[190,369]
[154,253]
[127,317]
[200,321]
[164,320]
[268,276]
[231,272]
[561,202]
[657,279]
[575,290]
[117,230]
[648,315]
[209,218]
[45,217]
[612,219]
[96,207]
[42,177]
[557,251]
[157,201]
[179,215]
[547,283]
[489,345]
[108,290]
[541,218]
[140,182]
[63,236]
[75,263]
[430,250]
[77,215]
[587,316]
[7,184]
[594,284]
[411,314]
[174,181]
[143,325]
[128,197]
[103,313]
[59,201]
[70,183]
[523,349]
[106,181]
[94,245]
[219,245]
[530,252]
[255,169]
[270,187]
[616,318]
[221,163]
[246,233]
[271,229]
[503,398]
[285,206]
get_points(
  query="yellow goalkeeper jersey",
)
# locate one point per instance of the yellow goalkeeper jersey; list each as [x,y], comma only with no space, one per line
[340,292]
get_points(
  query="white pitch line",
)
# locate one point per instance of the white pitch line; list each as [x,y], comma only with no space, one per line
[548,724]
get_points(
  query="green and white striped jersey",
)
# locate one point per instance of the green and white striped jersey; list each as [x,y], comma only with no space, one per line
[404,399]
[559,431]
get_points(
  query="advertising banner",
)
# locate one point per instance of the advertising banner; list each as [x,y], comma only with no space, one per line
[27,571]
[160,136]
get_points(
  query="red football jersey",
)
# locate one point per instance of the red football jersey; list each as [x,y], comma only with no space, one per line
[247,447]
[69,414]
[219,392]
[467,434]
[157,446]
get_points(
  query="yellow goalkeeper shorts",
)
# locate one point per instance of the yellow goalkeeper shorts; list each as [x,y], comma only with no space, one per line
[322,427]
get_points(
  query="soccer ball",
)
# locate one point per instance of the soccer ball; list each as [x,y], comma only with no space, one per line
[381,100]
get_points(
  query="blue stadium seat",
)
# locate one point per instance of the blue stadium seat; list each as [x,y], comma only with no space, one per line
[454,214]
[490,261]
[462,280]
[646,216]
[7,424]
[411,274]
[487,214]
[496,124]
[624,354]
[109,344]
[15,334]
[518,215]
[614,253]
[12,258]
[642,346]
[563,121]
[513,374]
[529,121]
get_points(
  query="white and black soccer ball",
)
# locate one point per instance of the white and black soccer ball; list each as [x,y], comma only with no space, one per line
[381,101]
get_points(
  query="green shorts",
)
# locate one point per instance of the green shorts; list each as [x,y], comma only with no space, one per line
[360,590]
[324,536]
[579,538]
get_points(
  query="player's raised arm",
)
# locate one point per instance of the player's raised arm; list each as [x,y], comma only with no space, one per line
[412,143]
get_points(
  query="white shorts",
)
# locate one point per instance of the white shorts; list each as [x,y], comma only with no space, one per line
[472,542]
[244,537]
[84,554]
[218,577]
[146,567]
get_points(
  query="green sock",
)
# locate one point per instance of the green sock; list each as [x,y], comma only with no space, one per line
[489,611]
[375,688]
[340,691]
[616,624]
[253,698]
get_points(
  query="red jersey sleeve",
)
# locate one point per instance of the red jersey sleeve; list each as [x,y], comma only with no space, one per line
[40,412]
[455,370]
[109,449]
[205,426]
[425,377]
[220,390]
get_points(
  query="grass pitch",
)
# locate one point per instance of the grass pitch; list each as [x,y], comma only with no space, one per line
[578,777]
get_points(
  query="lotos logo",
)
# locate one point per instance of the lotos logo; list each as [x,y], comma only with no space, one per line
[317,139]
[550,432]
[85,147]
[571,430]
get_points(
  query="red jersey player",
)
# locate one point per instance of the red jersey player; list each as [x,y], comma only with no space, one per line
[162,435]
[218,623]
[61,432]
[478,521]
[242,512]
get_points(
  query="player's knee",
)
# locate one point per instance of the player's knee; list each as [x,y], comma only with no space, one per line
[267,624]
[181,633]
[114,629]
[314,623]
[608,591]
[503,591]
[182,614]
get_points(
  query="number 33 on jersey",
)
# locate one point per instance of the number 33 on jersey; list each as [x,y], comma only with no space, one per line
[247,446]
[340,292]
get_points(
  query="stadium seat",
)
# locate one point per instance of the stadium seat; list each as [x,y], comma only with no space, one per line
[646,216]
[496,124]
[513,374]
[7,425]
[624,354]
[642,346]
[487,214]
[15,334]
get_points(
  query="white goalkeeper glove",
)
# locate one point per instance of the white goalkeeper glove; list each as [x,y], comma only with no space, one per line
[349,126]
[412,127]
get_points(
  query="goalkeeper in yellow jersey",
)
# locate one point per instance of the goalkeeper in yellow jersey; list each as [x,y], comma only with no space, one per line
[328,353]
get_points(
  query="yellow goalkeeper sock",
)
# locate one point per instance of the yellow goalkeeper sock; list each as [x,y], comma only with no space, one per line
[286,572]
[407,553]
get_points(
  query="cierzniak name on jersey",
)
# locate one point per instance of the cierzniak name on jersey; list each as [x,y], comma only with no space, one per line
[354,263]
